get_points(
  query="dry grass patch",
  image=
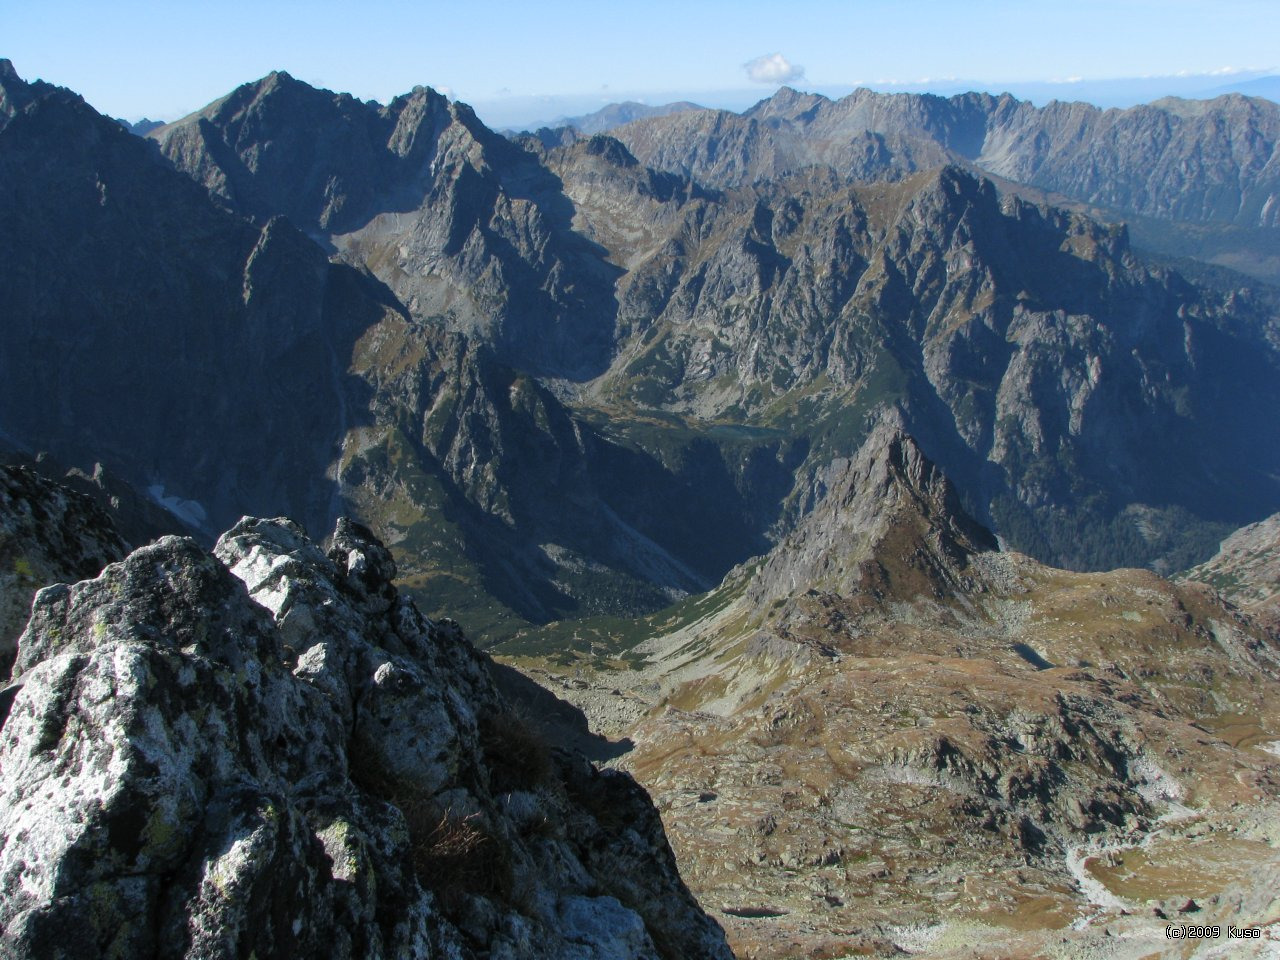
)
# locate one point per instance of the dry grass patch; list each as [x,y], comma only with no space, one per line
[456,855]
[453,855]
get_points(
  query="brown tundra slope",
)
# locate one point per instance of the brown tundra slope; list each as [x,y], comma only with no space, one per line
[889,736]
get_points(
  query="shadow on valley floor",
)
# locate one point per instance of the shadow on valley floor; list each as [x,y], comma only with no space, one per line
[560,723]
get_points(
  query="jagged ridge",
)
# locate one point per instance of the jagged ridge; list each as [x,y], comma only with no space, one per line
[1201,161]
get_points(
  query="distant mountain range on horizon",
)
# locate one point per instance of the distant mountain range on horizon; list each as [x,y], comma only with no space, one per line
[595,113]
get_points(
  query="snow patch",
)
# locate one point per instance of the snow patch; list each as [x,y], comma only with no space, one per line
[190,512]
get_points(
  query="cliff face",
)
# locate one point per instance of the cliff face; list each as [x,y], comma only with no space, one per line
[268,749]
[1032,352]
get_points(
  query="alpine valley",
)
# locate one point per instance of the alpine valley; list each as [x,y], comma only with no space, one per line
[886,485]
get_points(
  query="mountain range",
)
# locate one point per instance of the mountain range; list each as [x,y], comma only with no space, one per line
[1190,177]
[1190,160]
[616,114]
[468,332]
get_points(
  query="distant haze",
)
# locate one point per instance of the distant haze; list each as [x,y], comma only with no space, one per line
[523,64]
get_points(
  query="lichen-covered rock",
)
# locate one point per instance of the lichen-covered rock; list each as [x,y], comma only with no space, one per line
[267,750]
[47,534]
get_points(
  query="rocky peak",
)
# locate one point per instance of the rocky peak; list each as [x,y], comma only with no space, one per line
[16,93]
[788,103]
[461,223]
[1189,109]
[611,116]
[276,79]
[610,150]
[269,749]
[280,146]
[946,196]
[277,89]
[957,243]
[367,566]
[885,522]
[259,102]
[419,116]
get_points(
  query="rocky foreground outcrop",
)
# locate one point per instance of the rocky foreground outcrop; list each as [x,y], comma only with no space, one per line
[266,751]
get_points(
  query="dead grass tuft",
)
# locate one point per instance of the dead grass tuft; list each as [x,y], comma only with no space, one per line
[453,856]
[456,855]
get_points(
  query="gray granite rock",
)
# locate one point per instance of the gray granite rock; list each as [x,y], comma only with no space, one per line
[268,750]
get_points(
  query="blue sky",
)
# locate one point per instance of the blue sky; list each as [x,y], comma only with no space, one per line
[163,60]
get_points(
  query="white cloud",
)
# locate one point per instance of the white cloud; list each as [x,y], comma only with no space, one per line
[773,68]
[1220,72]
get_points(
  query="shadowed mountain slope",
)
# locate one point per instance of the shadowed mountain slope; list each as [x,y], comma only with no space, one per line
[179,344]
[463,225]
[229,367]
